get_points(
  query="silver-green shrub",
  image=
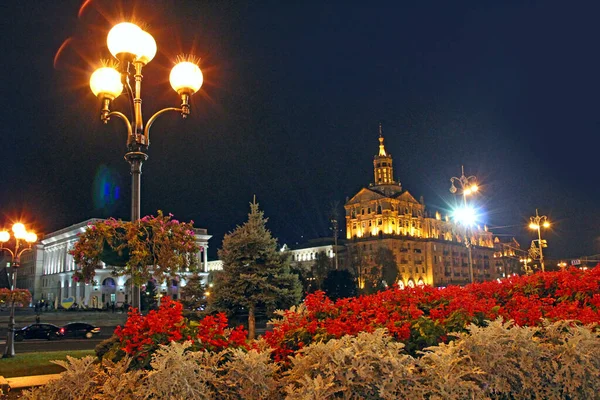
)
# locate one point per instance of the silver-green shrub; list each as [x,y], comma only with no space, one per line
[368,366]
[180,374]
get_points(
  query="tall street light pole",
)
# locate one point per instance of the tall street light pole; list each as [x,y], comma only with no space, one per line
[19,233]
[133,48]
[468,186]
[536,223]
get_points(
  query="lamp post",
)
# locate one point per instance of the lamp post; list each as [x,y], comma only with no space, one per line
[536,223]
[468,186]
[133,48]
[19,233]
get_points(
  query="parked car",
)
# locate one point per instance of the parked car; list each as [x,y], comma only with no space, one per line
[39,331]
[80,329]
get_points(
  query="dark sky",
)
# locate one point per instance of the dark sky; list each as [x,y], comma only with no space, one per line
[293,95]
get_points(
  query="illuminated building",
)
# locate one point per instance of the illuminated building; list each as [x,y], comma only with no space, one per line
[428,248]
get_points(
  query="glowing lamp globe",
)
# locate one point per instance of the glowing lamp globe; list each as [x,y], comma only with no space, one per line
[147,48]
[534,226]
[4,236]
[186,78]
[19,230]
[30,237]
[124,38]
[546,224]
[106,82]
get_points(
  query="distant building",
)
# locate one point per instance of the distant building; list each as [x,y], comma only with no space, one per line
[55,268]
[508,258]
[428,249]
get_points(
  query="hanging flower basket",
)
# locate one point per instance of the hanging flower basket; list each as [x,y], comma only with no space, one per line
[114,258]
[158,247]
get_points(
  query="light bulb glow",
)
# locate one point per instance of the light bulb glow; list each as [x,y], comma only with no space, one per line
[534,226]
[546,224]
[19,230]
[4,236]
[467,191]
[106,82]
[124,38]
[465,216]
[30,237]
[146,48]
[474,188]
[186,78]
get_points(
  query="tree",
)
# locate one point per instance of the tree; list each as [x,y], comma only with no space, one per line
[368,275]
[320,269]
[386,261]
[193,294]
[339,284]
[255,273]
[148,296]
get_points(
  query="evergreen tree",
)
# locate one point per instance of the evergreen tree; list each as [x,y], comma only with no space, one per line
[255,273]
[193,294]
[148,296]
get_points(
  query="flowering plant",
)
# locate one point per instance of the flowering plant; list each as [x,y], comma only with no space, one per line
[425,316]
[141,336]
[151,247]
[18,296]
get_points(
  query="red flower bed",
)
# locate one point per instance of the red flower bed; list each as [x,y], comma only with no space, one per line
[424,316]
[142,335]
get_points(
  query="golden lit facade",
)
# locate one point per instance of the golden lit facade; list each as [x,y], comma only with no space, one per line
[428,248]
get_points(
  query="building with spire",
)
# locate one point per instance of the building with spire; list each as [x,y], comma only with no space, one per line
[427,247]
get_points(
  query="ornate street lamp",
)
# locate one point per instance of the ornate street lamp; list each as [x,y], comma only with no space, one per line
[468,186]
[133,48]
[536,223]
[19,234]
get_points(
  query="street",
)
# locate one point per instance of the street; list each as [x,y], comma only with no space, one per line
[39,345]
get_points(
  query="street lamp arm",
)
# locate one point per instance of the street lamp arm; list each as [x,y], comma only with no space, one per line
[20,253]
[158,114]
[9,250]
[106,118]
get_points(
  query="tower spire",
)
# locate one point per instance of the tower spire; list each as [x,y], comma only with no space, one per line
[381,147]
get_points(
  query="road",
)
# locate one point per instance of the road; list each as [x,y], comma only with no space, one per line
[34,345]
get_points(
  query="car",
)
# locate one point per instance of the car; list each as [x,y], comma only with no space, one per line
[39,331]
[80,329]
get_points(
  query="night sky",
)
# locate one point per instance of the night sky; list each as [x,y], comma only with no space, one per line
[289,112]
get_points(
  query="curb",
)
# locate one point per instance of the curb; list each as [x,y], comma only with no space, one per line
[25,382]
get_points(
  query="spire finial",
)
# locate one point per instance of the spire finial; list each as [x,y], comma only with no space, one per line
[381,148]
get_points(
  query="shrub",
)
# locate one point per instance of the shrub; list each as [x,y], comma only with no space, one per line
[370,365]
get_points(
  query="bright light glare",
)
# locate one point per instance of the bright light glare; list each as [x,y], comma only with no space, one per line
[534,226]
[4,236]
[474,188]
[464,215]
[186,77]
[30,237]
[546,224]
[19,230]
[106,82]
[124,38]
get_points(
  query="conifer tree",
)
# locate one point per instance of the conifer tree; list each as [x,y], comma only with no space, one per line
[193,294]
[255,273]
